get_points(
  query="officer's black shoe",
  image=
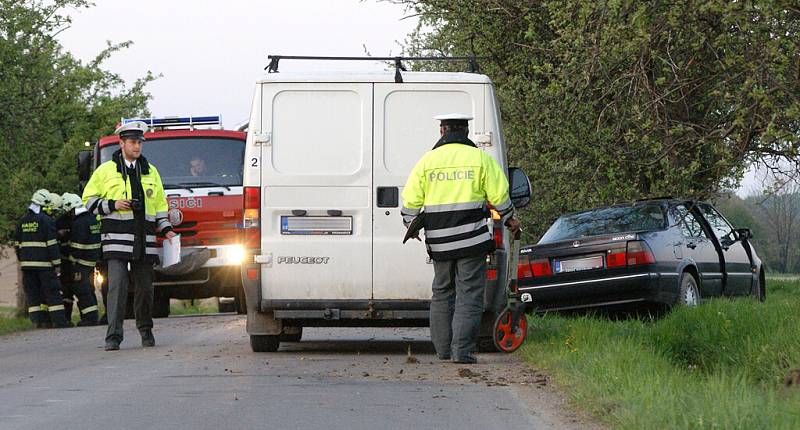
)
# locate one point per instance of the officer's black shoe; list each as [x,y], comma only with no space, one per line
[466,359]
[112,346]
[148,340]
[443,357]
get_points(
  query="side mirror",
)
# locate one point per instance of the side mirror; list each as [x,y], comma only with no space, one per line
[744,233]
[84,165]
[519,187]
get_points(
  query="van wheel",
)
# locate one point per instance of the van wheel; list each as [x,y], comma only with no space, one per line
[292,337]
[689,294]
[265,343]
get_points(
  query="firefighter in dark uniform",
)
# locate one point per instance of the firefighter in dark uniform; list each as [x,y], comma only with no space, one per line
[127,193]
[451,185]
[62,221]
[83,253]
[39,259]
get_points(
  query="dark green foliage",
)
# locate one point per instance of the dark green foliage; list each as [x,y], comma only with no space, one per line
[51,103]
[608,101]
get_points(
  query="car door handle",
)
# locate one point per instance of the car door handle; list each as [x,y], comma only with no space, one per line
[691,245]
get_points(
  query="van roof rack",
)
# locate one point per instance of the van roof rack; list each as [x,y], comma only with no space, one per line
[472,61]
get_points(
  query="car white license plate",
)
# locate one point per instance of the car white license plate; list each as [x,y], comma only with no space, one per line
[578,264]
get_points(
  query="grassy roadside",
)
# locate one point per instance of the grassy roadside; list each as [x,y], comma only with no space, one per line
[718,366]
[10,323]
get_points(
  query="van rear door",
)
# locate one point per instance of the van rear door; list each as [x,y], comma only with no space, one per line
[316,217]
[404,131]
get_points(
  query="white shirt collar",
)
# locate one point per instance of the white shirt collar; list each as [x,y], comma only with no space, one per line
[130,164]
[35,208]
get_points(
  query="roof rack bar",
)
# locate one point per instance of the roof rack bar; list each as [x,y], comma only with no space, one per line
[272,67]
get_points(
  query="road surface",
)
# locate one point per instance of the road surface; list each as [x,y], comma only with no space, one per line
[202,375]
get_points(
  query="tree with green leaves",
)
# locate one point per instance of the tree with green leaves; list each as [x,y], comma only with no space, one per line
[51,102]
[613,100]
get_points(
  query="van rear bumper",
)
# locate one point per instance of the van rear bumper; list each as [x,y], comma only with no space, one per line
[350,312]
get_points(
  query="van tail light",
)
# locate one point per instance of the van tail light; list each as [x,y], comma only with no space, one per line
[639,253]
[524,267]
[541,267]
[252,217]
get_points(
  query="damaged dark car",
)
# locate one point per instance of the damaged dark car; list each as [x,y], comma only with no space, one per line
[661,251]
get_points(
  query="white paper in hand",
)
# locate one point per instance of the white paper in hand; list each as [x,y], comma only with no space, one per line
[172,251]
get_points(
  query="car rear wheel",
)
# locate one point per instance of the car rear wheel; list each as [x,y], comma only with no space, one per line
[689,294]
[265,343]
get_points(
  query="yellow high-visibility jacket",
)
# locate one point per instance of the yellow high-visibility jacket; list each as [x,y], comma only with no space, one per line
[124,233]
[452,184]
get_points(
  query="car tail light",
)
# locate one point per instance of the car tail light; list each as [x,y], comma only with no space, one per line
[617,257]
[524,267]
[498,229]
[491,274]
[252,217]
[639,253]
[541,267]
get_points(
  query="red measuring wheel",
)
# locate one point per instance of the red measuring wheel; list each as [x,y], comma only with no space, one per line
[508,336]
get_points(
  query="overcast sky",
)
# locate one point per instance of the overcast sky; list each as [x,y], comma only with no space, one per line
[210,53]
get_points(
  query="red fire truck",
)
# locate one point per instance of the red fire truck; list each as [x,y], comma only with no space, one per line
[201,169]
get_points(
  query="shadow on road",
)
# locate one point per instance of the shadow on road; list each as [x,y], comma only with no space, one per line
[345,347]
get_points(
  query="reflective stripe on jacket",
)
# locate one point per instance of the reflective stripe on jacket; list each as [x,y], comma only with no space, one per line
[37,246]
[84,240]
[452,184]
[118,228]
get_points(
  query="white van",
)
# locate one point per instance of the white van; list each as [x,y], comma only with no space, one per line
[326,158]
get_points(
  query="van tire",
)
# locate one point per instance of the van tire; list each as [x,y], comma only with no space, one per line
[264,343]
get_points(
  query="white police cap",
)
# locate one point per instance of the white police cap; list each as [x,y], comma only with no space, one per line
[132,130]
[454,117]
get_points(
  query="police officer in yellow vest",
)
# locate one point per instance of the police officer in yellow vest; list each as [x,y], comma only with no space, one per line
[451,185]
[127,193]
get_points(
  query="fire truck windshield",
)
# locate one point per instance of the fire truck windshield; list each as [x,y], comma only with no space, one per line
[194,162]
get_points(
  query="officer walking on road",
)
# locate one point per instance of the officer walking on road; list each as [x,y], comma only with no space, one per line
[450,187]
[40,260]
[83,251]
[127,193]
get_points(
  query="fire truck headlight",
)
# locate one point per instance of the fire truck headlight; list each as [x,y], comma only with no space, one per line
[235,254]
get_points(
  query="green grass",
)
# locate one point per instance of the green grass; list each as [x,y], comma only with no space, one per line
[718,366]
[184,308]
[10,323]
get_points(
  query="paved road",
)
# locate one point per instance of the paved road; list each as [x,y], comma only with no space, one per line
[202,375]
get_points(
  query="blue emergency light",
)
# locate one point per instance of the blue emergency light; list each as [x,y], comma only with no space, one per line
[174,121]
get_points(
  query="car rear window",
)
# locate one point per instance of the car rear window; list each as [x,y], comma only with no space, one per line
[596,222]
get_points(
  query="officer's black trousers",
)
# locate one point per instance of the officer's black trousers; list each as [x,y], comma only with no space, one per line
[119,277]
[42,288]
